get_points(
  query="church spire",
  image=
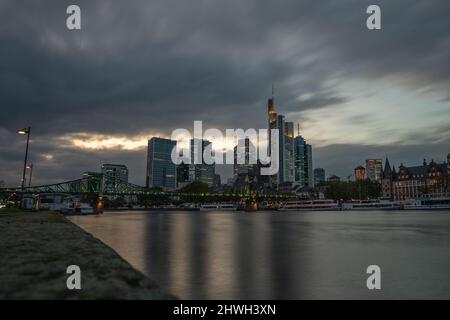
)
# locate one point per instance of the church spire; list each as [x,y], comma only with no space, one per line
[387,172]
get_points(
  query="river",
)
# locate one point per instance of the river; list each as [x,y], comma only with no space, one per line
[283,255]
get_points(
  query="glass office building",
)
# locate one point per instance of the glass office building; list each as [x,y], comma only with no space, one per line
[161,171]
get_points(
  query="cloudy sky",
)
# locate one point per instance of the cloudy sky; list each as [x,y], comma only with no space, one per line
[144,68]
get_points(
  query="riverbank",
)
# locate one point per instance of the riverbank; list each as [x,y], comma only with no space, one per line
[37,247]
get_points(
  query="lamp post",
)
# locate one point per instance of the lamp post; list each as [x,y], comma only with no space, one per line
[25,131]
[30,166]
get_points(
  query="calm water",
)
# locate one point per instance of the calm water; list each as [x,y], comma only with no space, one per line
[304,255]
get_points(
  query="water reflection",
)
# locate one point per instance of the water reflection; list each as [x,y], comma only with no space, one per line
[201,255]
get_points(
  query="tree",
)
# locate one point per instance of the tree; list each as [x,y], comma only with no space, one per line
[361,190]
[196,191]
[195,187]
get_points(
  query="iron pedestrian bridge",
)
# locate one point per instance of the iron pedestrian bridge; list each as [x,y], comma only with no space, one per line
[106,185]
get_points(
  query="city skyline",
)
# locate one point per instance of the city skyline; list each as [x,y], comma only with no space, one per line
[97,96]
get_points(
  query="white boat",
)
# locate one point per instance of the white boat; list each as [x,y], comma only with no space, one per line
[429,202]
[208,206]
[75,207]
[227,207]
[310,205]
[218,206]
[377,204]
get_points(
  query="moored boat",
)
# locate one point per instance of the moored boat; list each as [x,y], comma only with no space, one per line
[310,205]
[439,201]
[73,206]
[375,204]
[218,206]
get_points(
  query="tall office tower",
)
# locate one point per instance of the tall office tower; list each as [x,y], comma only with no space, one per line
[182,175]
[276,121]
[309,177]
[115,171]
[289,154]
[374,168]
[244,146]
[281,148]
[299,151]
[319,176]
[161,171]
[201,171]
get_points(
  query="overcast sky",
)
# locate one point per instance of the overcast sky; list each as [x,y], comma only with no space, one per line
[144,68]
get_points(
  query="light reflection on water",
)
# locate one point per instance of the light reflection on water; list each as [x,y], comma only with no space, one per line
[295,255]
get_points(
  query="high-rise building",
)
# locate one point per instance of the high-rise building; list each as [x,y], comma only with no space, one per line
[244,147]
[295,157]
[299,148]
[182,175]
[319,176]
[281,148]
[161,171]
[201,171]
[285,152]
[115,171]
[289,153]
[360,173]
[309,177]
[374,168]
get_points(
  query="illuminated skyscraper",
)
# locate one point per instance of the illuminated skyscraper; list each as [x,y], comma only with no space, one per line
[289,154]
[276,121]
[293,152]
[299,148]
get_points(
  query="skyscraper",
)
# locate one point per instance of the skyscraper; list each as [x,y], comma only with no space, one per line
[277,121]
[299,148]
[280,125]
[289,154]
[115,171]
[201,171]
[293,153]
[374,169]
[161,171]
[309,177]
[182,175]
[243,147]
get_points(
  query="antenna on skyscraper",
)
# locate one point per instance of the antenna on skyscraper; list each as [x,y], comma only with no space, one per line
[298,129]
[273,91]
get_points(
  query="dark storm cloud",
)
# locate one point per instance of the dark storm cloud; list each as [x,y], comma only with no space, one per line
[159,65]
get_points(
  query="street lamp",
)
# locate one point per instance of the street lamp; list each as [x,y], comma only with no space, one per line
[30,166]
[25,131]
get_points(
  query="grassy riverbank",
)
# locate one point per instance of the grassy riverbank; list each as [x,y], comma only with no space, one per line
[37,247]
